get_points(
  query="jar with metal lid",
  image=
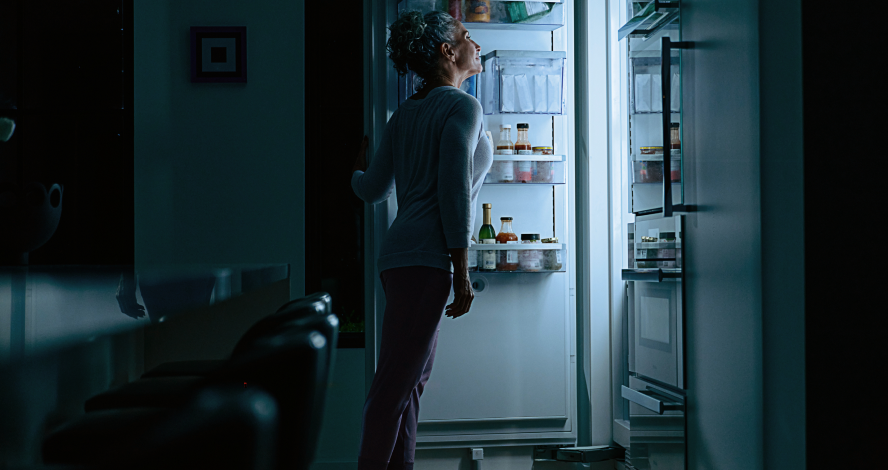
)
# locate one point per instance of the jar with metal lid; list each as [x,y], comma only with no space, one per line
[543,151]
[552,258]
[530,260]
[651,150]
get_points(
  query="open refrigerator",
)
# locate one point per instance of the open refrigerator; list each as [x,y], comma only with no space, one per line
[505,373]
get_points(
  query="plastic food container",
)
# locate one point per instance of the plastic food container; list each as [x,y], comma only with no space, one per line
[552,258]
[651,171]
[530,260]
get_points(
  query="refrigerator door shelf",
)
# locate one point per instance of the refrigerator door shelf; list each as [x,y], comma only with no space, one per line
[528,158]
[534,170]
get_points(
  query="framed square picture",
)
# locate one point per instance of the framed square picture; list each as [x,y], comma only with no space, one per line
[219,54]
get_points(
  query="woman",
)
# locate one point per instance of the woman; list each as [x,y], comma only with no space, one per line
[435,149]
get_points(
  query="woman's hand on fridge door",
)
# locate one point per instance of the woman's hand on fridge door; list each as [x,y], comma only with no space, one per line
[361,161]
[463,295]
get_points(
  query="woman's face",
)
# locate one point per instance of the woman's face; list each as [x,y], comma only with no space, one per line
[466,52]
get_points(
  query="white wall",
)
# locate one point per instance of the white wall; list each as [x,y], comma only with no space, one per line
[219,167]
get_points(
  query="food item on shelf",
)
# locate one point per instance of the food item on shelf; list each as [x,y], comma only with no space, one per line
[543,151]
[473,258]
[525,171]
[478,11]
[651,150]
[487,236]
[487,231]
[530,260]
[545,172]
[674,138]
[505,169]
[525,12]
[508,259]
[648,253]
[552,258]
[522,145]
[454,7]
[675,170]
[667,237]
[488,257]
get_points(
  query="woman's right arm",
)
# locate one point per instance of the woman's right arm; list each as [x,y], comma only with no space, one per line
[376,184]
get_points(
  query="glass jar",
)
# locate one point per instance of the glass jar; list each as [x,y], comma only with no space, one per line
[543,151]
[507,259]
[530,260]
[651,150]
[552,258]
[478,11]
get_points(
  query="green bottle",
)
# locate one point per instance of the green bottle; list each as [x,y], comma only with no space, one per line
[487,231]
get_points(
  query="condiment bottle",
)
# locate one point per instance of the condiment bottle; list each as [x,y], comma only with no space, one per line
[505,147]
[674,139]
[478,11]
[488,257]
[522,147]
[508,259]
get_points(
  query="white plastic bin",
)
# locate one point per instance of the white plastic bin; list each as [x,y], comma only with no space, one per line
[523,82]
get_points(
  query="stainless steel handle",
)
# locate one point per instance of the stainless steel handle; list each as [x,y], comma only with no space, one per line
[666,78]
[648,275]
[650,400]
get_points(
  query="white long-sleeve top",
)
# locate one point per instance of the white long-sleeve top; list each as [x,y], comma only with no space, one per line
[434,150]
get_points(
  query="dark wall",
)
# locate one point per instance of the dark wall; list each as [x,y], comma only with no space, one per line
[845,123]
[66,80]
[334,123]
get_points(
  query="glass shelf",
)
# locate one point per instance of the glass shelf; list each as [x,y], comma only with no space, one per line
[547,257]
[532,15]
[528,158]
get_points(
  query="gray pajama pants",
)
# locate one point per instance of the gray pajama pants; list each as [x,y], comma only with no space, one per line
[415,298]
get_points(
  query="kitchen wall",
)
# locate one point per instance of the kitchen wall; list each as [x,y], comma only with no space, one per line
[219,167]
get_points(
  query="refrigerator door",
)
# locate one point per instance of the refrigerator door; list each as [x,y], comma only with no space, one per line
[655,107]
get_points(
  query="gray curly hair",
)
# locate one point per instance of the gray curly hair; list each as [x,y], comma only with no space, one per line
[414,41]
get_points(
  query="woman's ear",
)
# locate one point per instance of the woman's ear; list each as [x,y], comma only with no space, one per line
[447,52]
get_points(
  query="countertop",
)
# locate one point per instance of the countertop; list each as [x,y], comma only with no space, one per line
[47,308]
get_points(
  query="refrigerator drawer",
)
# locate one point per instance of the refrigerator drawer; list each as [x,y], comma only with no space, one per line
[657,333]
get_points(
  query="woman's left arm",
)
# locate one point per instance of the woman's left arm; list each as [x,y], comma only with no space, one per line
[376,184]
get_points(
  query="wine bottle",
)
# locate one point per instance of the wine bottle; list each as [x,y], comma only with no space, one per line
[487,229]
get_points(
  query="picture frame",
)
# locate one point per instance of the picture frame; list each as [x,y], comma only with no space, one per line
[219,54]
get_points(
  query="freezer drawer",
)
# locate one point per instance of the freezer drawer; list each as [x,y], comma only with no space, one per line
[656,440]
[655,324]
